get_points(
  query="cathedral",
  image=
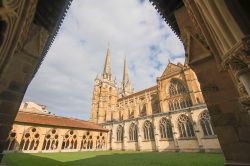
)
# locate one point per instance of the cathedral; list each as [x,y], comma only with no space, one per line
[170,116]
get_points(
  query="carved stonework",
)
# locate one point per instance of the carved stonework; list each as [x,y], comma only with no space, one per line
[238,57]
[16,17]
[196,28]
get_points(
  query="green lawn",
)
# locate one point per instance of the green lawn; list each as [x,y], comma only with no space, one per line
[114,158]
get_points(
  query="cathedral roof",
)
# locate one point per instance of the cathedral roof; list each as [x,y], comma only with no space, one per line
[58,121]
[172,68]
[139,93]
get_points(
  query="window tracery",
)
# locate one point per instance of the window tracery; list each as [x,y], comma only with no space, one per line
[87,141]
[133,136]
[51,140]
[119,134]
[166,128]
[206,124]
[70,140]
[148,131]
[30,139]
[100,141]
[185,126]
[11,142]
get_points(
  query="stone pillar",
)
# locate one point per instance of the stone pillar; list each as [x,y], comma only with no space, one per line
[140,135]
[196,130]
[125,135]
[174,128]
[148,104]
[41,140]
[225,89]
[19,137]
[60,141]
[156,133]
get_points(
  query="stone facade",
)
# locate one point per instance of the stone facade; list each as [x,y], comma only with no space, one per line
[35,130]
[171,116]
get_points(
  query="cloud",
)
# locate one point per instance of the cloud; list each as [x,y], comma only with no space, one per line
[133,28]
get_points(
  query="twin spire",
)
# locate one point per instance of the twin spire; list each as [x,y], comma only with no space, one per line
[107,69]
[126,86]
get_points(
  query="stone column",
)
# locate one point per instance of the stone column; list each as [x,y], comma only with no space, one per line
[60,141]
[156,133]
[125,135]
[174,128]
[41,140]
[140,134]
[196,130]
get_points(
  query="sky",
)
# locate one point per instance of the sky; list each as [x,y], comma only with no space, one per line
[130,28]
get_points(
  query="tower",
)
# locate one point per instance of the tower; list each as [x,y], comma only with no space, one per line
[104,95]
[126,86]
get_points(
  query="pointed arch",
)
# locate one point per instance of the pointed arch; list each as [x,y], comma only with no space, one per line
[177,87]
[148,130]
[51,140]
[133,134]
[166,128]
[70,140]
[185,126]
[205,123]
[119,134]
[30,140]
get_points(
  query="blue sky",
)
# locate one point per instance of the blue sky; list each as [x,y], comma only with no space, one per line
[133,28]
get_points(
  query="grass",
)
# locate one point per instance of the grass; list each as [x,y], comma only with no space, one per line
[114,158]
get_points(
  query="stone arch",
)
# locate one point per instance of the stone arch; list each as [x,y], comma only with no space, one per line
[119,133]
[70,140]
[143,109]
[185,126]
[100,141]
[30,139]
[205,123]
[166,128]
[176,87]
[87,141]
[148,130]
[12,143]
[51,140]
[133,132]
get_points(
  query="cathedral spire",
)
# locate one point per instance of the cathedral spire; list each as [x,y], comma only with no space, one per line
[107,69]
[126,86]
[125,79]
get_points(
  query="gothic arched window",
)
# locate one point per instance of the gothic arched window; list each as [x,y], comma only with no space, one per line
[133,132]
[143,110]
[176,87]
[11,142]
[119,134]
[30,140]
[206,124]
[185,126]
[87,141]
[166,128]
[70,140]
[100,141]
[51,140]
[148,130]
[170,105]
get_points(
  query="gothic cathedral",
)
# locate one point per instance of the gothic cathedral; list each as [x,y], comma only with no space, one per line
[170,116]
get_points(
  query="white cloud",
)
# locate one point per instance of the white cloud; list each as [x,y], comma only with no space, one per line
[65,80]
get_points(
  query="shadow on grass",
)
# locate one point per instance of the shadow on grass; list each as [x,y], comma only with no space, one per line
[117,159]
